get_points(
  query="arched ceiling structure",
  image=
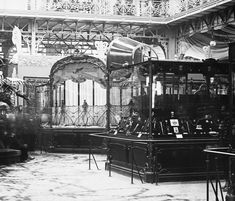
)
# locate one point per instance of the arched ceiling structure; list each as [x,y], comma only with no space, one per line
[78,69]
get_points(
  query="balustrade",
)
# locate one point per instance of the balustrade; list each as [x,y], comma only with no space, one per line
[74,116]
[144,8]
[94,116]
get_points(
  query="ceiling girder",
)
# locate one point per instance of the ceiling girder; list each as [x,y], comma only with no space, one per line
[74,34]
[215,20]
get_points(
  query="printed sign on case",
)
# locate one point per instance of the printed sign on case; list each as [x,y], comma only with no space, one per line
[179,136]
[174,122]
[176,130]
[139,135]
[199,127]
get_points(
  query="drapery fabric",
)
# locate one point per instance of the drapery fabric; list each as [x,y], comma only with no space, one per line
[222,36]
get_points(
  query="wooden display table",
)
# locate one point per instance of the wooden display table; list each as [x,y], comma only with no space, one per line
[68,139]
[162,159]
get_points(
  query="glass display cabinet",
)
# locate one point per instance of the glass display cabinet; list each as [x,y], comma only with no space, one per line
[176,109]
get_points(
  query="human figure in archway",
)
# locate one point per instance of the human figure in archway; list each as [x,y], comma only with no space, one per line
[131,106]
[85,112]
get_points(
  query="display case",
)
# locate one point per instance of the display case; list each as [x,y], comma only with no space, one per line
[177,109]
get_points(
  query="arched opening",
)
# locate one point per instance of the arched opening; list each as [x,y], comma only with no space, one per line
[76,80]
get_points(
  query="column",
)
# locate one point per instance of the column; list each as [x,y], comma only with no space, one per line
[33,41]
[171,51]
[137,7]
[6,46]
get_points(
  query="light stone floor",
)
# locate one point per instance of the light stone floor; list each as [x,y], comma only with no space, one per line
[66,177]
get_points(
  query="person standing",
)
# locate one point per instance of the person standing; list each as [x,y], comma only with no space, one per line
[131,106]
[85,110]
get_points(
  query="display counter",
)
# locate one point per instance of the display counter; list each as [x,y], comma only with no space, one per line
[71,139]
[176,110]
[161,159]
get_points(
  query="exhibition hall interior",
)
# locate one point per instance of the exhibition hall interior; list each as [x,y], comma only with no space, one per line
[117,99]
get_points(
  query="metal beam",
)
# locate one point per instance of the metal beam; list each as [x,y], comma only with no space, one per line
[215,21]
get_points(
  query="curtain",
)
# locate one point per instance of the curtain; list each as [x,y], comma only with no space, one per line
[222,36]
[71,93]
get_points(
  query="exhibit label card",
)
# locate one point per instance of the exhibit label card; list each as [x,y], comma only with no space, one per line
[179,136]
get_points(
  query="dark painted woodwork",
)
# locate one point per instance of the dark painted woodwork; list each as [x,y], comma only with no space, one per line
[9,156]
[68,138]
[173,159]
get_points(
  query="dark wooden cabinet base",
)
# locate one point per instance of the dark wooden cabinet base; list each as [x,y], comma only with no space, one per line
[9,156]
[68,139]
[160,159]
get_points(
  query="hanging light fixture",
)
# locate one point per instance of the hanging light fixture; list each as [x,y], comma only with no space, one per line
[207,48]
[212,42]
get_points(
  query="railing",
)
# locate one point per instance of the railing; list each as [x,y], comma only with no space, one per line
[75,116]
[145,8]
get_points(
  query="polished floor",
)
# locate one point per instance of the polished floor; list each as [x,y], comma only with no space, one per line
[67,177]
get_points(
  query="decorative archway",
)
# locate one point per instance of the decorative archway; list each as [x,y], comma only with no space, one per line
[78,69]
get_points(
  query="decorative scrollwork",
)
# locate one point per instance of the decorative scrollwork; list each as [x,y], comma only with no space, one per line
[147,8]
[94,116]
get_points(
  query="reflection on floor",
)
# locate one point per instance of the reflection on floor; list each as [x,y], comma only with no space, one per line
[66,177]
